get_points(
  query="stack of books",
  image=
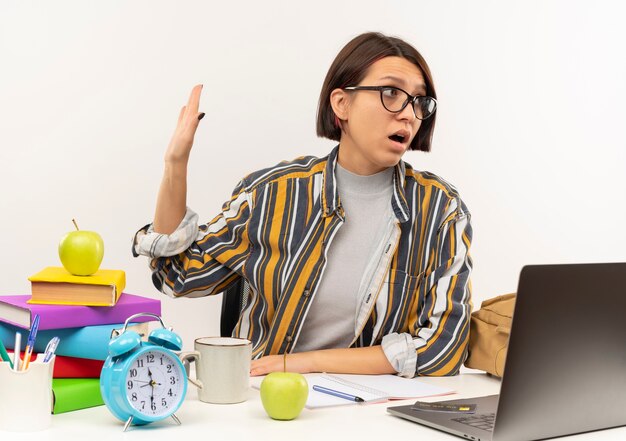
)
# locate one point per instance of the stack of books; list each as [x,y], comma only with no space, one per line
[83,311]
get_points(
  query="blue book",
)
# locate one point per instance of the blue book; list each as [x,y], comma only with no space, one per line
[86,342]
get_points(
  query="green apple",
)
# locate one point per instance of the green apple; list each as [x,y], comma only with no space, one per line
[284,394]
[81,252]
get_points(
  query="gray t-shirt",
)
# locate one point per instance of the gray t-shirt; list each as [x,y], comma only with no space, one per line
[366,201]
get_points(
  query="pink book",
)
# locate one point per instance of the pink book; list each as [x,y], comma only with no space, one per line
[15,310]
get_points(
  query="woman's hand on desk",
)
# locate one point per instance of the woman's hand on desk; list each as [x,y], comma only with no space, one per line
[274,363]
[369,360]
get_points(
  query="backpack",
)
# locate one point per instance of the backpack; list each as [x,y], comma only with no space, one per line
[490,327]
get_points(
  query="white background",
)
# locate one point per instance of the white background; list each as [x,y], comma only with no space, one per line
[530,123]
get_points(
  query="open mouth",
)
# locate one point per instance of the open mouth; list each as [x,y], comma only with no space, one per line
[397,138]
[401,136]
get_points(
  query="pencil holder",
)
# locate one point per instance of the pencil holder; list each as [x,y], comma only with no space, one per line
[26,403]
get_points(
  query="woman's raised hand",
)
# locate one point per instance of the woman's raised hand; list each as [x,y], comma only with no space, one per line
[188,120]
[172,198]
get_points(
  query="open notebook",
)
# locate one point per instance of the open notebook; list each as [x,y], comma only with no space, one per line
[372,388]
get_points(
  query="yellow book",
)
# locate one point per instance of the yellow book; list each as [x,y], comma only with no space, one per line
[55,286]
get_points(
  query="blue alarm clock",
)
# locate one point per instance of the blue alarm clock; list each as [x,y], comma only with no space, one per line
[143,382]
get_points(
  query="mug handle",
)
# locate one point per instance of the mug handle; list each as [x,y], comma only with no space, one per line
[187,358]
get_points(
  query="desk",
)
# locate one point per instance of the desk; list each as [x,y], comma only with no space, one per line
[248,421]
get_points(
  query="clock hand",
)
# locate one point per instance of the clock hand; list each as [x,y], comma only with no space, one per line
[152,382]
[151,390]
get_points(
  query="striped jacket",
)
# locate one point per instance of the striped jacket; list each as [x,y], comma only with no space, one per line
[275,231]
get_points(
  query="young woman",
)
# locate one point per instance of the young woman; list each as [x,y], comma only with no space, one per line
[357,263]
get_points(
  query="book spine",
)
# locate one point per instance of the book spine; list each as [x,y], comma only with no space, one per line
[75,393]
[70,367]
[73,367]
[73,316]
[87,342]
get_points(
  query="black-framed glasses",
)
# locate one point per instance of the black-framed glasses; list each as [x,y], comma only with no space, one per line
[394,100]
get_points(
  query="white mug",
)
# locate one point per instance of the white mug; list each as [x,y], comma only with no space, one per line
[222,369]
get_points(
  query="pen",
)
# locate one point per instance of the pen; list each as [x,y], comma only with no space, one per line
[5,355]
[30,343]
[336,393]
[16,351]
[50,348]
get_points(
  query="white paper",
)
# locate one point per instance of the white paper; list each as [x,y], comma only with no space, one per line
[372,388]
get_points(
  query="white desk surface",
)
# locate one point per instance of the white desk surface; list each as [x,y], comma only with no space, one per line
[212,422]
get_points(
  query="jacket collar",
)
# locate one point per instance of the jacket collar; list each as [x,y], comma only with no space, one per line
[330,194]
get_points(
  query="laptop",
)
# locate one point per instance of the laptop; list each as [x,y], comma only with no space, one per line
[565,369]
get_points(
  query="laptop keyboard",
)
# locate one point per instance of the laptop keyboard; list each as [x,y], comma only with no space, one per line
[480,421]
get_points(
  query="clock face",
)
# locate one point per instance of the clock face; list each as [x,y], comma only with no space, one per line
[155,383]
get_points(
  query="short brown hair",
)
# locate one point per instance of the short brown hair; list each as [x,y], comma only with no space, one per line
[349,68]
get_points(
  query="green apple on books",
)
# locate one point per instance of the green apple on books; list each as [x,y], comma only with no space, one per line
[81,252]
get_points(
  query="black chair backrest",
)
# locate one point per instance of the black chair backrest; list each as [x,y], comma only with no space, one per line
[234,300]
